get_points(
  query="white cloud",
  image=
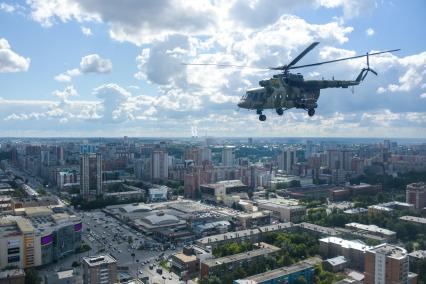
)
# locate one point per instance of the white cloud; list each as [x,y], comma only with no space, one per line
[66,93]
[381,90]
[142,22]
[10,61]
[423,96]
[6,7]
[92,63]
[414,73]
[86,31]
[369,32]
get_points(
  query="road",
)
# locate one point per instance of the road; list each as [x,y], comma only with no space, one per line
[108,235]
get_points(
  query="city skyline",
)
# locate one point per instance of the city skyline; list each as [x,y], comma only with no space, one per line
[79,68]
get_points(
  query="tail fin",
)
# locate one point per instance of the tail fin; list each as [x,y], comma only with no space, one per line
[360,76]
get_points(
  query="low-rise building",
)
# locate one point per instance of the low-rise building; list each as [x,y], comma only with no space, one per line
[216,192]
[287,274]
[158,193]
[218,266]
[353,251]
[61,277]
[187,263]
[12,276]
[283,210]
[415,220]
[249,235]
[416,259]
[372,229]
[255,219]
[335,264]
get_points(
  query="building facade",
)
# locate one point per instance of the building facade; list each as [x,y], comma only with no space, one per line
[386,264]
[91,175]
[416,194]
[100,270]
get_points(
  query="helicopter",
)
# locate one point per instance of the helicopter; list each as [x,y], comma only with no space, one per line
[288,90]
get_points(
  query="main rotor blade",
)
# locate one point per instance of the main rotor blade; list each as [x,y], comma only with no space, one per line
[342,59]
[295,60]
[309,48]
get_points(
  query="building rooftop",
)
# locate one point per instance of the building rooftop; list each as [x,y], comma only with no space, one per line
[356,244]
[185,258]
[38,211]
[65,274]
[391,251]
[420,186]
[371,228]
[12,273]
[99,260]
[380,208]
[136,207]
[279,202]
[161,219]
[263,249]
[225,183]
[244,233]
[414,219]
[356,210]
[338,260]
[418,254]
[320,229]
[283,271]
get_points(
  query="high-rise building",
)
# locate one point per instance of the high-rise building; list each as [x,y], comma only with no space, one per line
[386,264]
[287,159]
[159,165]
[200,155]
[333,161]
[345,159]
[99,269]
[142,168]
[90,175]
[416,194]
[228,156]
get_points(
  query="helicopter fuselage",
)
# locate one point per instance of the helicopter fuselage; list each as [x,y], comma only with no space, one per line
[286,91]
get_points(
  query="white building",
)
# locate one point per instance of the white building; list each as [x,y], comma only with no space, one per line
[228,156]
[160,164]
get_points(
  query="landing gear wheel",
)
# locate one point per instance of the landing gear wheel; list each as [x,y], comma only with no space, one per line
[280,111]
[262,117]
[311,112]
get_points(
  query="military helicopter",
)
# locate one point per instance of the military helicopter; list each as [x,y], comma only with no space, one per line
[287,90]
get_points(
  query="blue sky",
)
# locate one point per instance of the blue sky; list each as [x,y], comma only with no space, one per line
[112,68]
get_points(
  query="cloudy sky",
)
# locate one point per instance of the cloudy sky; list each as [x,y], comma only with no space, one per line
[113,68]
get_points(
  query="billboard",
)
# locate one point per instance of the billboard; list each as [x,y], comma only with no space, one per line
[78,227]
[46,240]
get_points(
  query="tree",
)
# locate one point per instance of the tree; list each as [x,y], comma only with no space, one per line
[300,280]
[211,280]
[32,277]
[75,264]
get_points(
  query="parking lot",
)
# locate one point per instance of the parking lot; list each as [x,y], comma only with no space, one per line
[105,234]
